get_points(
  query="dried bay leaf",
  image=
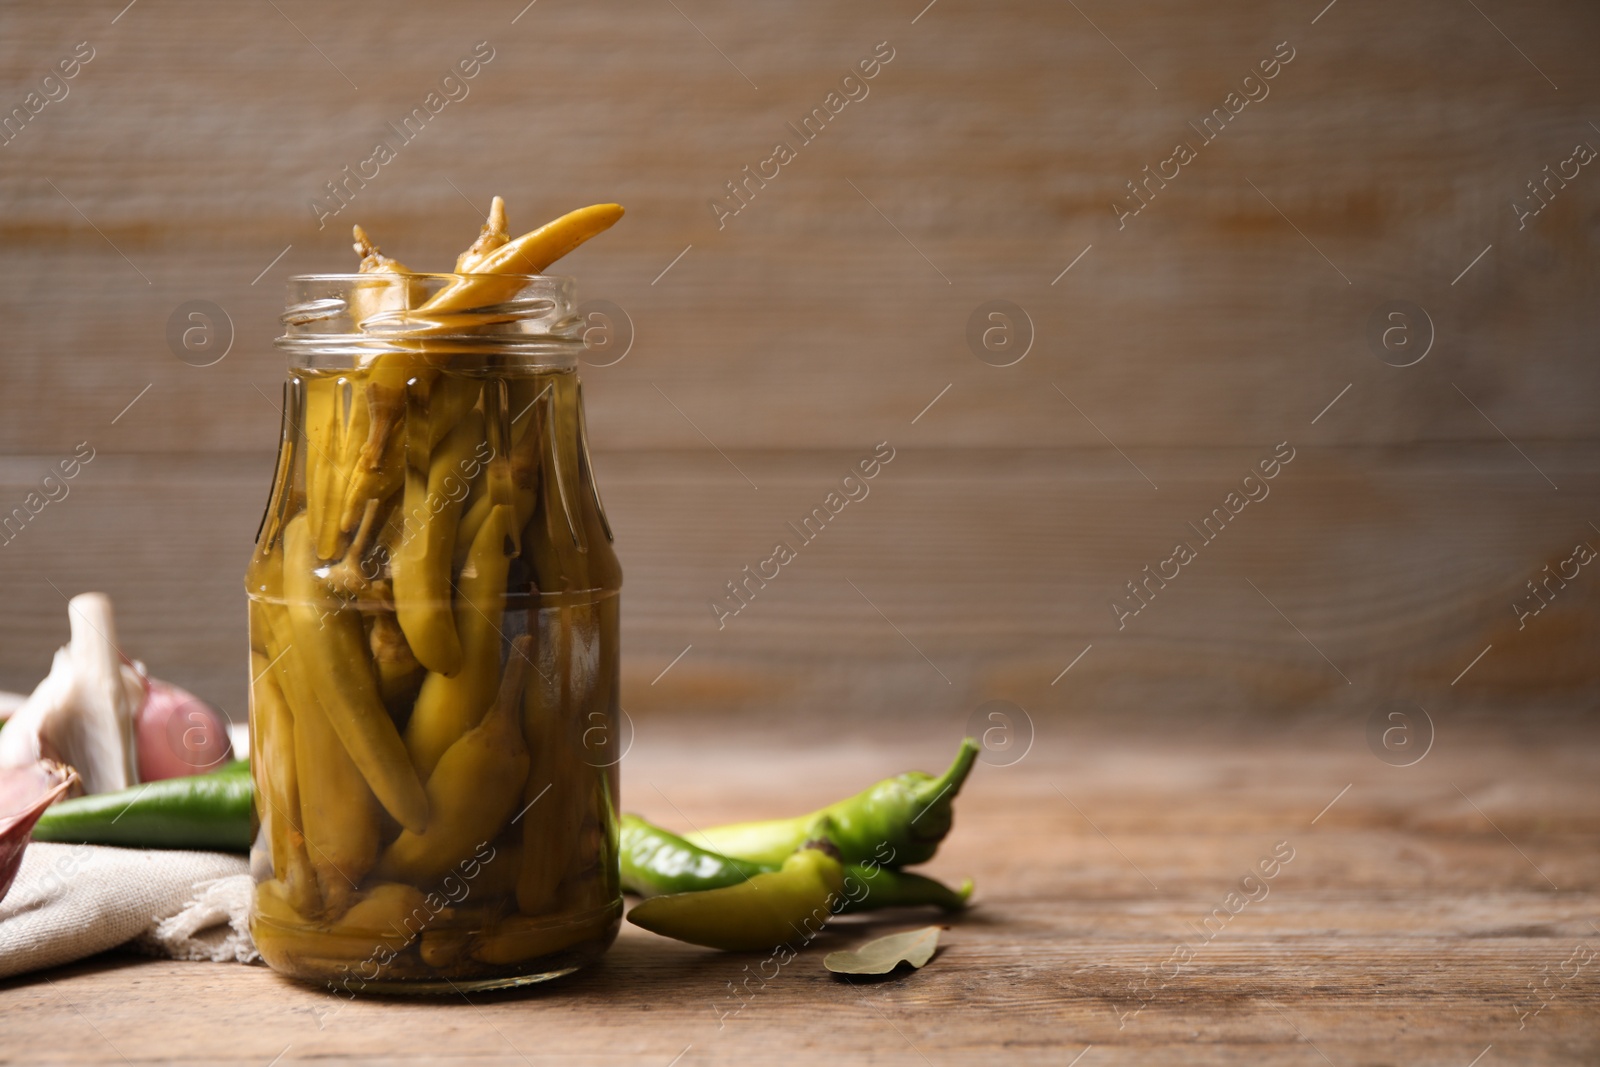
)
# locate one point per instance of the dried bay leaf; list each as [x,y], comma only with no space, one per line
[882,955]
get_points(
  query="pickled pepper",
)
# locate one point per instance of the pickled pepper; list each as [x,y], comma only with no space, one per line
[332,648]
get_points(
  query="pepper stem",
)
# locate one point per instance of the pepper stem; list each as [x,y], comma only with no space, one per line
[947,785]
[822,844]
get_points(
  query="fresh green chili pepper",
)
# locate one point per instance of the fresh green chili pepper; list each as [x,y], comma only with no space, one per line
[656,861]
[205,811]
[770,909]
[896,823]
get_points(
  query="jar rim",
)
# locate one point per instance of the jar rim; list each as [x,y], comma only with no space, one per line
[353,315]
[338,276]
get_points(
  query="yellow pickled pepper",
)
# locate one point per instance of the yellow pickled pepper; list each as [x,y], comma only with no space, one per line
[496,275]
[376,470]
[493,253]
[519,937]
[512,476]
[473,791]
[534,251]
[549,825]
[491,237]
[450,705]
[399,673]
[449,399]
[532,401]
[384,908]
[278,801]
[472,519]
[567,633]
[339,816]
[444,948]
[272,736]
[497,409]
[352,419]
[420,569]
[599,741]
[331,647]
[369,462]
[338,812]
[596,863]
[323,495]
[369,414]
[374,919]
[563,565]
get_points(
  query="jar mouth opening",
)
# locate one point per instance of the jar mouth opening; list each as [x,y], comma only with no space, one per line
[355,314]
[380,277]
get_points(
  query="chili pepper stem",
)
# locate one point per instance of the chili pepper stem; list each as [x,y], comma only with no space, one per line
[933,790]
[346,575]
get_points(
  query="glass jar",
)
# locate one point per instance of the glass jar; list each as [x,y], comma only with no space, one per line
[433,643]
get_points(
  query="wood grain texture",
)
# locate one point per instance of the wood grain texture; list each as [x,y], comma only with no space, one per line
[1404,929]
[961,576]
[1176,353]
[995,142]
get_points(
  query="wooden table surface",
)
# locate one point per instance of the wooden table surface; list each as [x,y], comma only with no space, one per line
[1427,915]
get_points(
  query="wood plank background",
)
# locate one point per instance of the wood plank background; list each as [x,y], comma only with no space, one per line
[830,312]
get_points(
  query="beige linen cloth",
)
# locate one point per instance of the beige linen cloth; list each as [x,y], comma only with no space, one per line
[72,901]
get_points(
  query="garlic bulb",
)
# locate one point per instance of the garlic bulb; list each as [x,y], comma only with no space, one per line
[82,714]
[10,704]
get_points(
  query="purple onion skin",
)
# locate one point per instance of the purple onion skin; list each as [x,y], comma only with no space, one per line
[24,794]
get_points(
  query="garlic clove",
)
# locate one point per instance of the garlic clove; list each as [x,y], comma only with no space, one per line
[26,739]
[24,794]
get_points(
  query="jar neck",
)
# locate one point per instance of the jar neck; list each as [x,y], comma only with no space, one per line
[480,361]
